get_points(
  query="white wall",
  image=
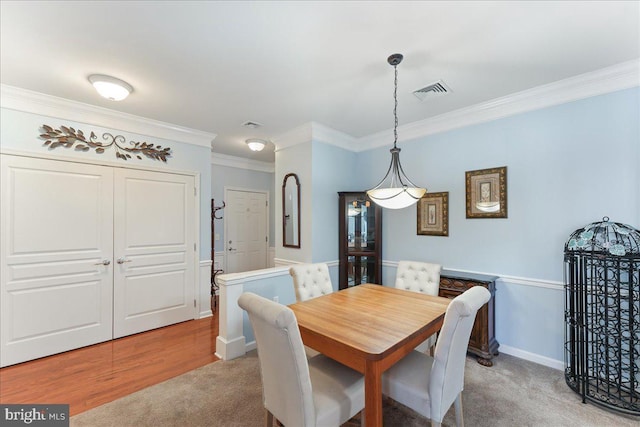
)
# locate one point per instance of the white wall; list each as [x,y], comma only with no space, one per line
[295,159]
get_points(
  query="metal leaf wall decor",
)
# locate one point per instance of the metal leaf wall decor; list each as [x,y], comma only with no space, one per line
[68,137]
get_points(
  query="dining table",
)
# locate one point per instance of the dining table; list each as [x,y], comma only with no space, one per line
[368,328]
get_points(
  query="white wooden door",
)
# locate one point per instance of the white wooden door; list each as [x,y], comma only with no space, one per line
[56,249]
[154,250]
[245,230]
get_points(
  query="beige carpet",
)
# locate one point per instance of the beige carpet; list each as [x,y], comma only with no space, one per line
[227,394]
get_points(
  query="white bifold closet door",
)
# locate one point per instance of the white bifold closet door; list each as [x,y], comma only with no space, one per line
[89,253]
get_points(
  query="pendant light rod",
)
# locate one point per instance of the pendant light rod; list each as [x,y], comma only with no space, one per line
[394,60]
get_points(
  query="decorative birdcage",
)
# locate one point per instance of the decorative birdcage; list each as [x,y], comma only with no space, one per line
[602,315]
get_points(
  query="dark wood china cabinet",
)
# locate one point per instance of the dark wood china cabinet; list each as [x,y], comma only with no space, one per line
[360,240]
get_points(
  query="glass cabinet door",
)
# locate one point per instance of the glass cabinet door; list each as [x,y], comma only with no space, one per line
[360,240]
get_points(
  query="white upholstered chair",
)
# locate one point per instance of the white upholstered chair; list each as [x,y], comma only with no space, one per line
[297,391]
[310,281]
[430,385]
[423,277]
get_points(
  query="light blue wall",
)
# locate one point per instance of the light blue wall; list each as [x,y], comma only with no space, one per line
[567,166]
[20,132]
[226,176]
[333,171]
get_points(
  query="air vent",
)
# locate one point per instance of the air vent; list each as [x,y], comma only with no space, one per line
[251,125]
[438,88]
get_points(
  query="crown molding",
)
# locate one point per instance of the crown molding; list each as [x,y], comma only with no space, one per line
[611,79]
[327,135]
[314,131]
[15,98]
[241,163]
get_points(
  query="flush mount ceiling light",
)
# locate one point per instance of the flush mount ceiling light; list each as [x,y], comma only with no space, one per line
[256,144]
[395,191]
[110,87]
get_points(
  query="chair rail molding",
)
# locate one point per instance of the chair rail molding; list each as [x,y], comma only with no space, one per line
[503,279]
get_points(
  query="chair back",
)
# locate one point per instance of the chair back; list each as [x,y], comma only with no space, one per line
[446,381]
[418,276]
[310,280]
[286,384]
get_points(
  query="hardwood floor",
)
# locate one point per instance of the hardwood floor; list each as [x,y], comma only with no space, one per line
[91,376]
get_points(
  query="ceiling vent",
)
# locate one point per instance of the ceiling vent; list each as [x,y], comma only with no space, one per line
[251,125]
[438,88]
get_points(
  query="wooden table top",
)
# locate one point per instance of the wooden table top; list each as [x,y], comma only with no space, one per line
[370,319]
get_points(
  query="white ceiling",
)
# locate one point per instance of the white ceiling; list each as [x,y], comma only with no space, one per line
[212,66]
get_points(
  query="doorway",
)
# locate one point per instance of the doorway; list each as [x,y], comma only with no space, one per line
[246,230]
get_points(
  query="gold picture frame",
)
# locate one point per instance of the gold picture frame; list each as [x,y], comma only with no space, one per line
[486,191]
[433,214]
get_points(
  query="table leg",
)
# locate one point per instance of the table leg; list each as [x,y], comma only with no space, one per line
[373,394]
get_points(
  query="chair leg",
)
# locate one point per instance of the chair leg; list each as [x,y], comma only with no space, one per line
[458,406]
[362,420]
[269,419]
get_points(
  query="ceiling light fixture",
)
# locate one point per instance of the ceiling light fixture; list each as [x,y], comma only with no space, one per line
[110,87]
[256,144]
[395,191]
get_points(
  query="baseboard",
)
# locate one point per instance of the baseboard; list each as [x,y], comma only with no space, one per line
[250,346]
[532,357]
[205,313]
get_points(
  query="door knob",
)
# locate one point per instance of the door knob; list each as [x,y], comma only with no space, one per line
[122,260]
[103,262]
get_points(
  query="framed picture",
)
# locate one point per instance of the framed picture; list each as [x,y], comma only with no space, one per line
[486,193]
[433,214]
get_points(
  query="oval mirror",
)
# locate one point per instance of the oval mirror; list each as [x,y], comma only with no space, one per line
[291,211]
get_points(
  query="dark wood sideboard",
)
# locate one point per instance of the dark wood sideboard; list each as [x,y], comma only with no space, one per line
[483,341]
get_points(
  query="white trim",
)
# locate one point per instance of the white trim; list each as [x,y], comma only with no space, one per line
[230,279]
[537,283]
[204,296]
[322,133]
[295,136]
[314,131]
[524,281]
[272,256]
[250,346]
[532,357]
[281,262]
[219,259]
[91,161]
[242,163]
[15,98]
[617,77]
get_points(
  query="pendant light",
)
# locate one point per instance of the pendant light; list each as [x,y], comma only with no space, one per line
[395,191]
